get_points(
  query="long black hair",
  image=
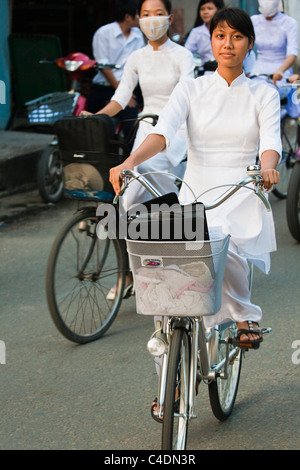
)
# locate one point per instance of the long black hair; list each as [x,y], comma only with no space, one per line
[236,19]
[218,3]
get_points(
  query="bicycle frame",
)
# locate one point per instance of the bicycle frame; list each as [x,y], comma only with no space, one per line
[204,342]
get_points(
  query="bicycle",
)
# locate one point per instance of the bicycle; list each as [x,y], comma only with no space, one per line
[290,137]
[47,109]
[81,267]
[293,202]
[189,352]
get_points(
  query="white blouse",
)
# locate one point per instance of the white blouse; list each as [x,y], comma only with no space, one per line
[157,72]
[274,40]
[227,126]
[199,42]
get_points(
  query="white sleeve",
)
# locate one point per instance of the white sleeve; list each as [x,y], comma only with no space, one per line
[101,47]
[269,123]
[292,39]
[128,82]
[192,42]
[174,114]
[186,65]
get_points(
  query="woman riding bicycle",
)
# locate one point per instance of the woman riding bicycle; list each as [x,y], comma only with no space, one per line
[158,68]
[198,40]
[277,48]
[229,118]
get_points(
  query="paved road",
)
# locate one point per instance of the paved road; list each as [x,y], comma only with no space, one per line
[58,395]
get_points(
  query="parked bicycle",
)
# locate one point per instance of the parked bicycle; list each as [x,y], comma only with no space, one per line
[189,352]
[47,109]
[82,268]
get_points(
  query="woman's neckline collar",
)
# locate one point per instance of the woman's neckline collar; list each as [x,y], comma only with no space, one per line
[163,46]
[236,82]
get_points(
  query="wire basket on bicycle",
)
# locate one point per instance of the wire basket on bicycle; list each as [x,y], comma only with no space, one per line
[178,278]
[177,271]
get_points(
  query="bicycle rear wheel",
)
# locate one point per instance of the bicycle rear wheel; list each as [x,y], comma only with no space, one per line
[222,392]
[81,270]
[290,139]
[176,406]
[50,175]
[293,203]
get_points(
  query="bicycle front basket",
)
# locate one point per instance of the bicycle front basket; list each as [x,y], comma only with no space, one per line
[178,278]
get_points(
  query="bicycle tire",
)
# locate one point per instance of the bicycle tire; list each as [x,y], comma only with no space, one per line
[223,392]
[176,405]
[81,270]
[293,203]
[289,138]
[50,176]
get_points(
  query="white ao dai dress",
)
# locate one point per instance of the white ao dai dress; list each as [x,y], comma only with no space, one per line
[157,73]
[227,127]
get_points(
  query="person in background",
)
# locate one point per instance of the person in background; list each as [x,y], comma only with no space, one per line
[277,49]
[112,44]
[198,40]
[158,67]
[276,41]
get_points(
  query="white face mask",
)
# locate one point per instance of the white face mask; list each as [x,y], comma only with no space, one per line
[269,8]
[154,27]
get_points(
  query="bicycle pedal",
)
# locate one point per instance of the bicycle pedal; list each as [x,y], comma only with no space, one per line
[266,330]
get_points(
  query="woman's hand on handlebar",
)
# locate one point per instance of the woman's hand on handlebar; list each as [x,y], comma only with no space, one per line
[269,161]
[270,178]
[114,175]
[85,113]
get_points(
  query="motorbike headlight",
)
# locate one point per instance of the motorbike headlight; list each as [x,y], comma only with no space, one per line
[72,65]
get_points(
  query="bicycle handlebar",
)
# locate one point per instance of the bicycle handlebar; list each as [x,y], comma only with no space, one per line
[253,172]
[101,66]
[269,76]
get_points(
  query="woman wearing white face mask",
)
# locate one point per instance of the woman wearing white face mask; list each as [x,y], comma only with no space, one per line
[158,68]
[276,41]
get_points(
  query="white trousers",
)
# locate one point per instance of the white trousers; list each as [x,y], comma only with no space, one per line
[236,301]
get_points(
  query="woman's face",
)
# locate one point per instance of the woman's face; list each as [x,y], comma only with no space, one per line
[207,11]
[153,8]
[229,46]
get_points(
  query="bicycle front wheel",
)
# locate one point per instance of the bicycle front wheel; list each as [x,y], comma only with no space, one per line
[293,203]
[223,391]
[176,406]
[81,271]
[289,138]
